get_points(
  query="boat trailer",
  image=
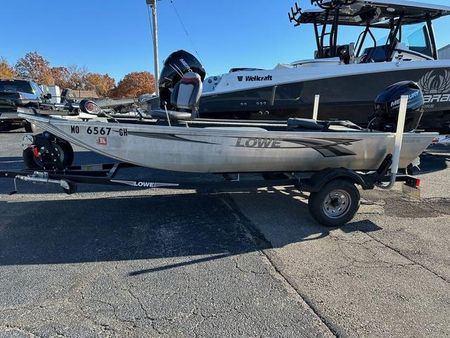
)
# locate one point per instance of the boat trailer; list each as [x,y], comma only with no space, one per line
[333,199]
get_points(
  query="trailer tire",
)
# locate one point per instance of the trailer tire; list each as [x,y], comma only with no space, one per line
[335,204]
[67,151]
[64,149]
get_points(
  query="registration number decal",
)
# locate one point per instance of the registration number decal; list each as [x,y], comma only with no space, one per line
[103,131]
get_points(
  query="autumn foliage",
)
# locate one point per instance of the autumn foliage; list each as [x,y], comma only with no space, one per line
[62,77]
[102,84]
[36,67]
[6,71]
[135,84]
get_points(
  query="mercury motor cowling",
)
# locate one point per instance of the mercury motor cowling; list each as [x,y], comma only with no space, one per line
[387,106]
[175,66]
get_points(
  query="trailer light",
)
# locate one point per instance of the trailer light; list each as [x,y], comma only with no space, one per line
[417,183]
[35,152]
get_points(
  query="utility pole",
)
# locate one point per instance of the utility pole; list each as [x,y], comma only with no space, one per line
[152,5]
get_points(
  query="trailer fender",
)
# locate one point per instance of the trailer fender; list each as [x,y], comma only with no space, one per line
[321,178]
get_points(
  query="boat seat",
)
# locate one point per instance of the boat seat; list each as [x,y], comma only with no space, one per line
[305,124]
[186,93]
[185,98]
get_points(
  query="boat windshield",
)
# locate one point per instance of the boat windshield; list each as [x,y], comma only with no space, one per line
[416,38]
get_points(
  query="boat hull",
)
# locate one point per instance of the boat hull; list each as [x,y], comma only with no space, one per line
[232,150]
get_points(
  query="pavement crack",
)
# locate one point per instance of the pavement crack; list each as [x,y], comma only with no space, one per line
[141,305]
[144,310]
[374,262]
[409,258]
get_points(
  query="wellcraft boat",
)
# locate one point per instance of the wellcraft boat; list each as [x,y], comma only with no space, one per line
[347,76]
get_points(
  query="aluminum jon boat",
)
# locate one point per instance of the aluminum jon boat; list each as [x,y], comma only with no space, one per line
[179,142]
[176,141]
[234,149]
[326,159]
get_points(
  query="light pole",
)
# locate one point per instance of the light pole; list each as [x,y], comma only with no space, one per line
[152,5]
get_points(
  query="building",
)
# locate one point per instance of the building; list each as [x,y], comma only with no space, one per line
[80,94]
[444,53]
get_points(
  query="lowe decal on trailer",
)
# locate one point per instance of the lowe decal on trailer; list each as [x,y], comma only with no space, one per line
[145,184]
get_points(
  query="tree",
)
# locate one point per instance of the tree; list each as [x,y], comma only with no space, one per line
[6,71]
[77,77]
[102,84]
[34,66]
[135,84]
[73,77]
[61,75]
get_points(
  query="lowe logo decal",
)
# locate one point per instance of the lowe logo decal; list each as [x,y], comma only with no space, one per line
[257,142]
[255,78]
[436,86]
[141,184]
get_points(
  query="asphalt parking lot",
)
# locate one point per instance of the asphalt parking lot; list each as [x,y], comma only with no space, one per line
[163,263]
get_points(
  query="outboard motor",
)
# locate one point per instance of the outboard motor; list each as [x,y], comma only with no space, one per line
[176,65]
[387,106]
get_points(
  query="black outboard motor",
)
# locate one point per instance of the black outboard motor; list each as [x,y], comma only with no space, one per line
[176,65]
[387,106]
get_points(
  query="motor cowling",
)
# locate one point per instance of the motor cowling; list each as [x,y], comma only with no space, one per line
[175,66]
[387,107]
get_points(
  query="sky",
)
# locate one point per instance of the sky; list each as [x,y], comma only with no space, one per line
[114,36]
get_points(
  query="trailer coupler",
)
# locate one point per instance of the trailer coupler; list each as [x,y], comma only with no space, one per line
[39,177]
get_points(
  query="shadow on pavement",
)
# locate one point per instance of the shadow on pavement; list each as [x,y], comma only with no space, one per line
[134,228]
[433,162]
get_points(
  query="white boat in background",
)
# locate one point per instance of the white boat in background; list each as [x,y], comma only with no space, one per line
[348,75]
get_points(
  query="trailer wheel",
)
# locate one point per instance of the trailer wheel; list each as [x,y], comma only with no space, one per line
[61,156]
[335,204]
[67,153]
